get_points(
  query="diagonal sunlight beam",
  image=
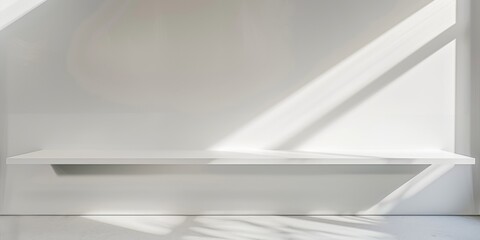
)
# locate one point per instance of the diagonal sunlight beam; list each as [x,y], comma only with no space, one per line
[409,189]
[342,81]
[277,227]
[12,10]
[435,47]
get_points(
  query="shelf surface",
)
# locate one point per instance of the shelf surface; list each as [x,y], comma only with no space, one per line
[257,157]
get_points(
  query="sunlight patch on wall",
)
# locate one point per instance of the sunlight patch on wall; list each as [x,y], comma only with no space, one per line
[12,10]
[409,189]
[329,90]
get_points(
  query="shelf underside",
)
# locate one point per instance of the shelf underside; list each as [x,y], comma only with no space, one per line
[118,157]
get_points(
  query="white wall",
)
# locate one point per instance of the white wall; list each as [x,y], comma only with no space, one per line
[475,95]
[308,75]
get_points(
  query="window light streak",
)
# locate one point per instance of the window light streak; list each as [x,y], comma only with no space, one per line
[200,238]
[248,227]
[330,89]
[350,219]
[12,10]
[410,188]
[279,226]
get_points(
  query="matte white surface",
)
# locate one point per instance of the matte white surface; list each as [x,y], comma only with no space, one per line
[301,75]
[12,10]
[474,128]
[239,228]
[247,157]
[238,189]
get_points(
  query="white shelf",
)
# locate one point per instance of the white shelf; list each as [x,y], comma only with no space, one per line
[382,157]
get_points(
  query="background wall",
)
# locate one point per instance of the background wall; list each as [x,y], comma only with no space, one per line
[305,75]
[475,95]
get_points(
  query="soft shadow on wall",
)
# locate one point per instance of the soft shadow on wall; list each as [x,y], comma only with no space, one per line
[305,113]
[282,116]
[346,85]
[178,77]
[3,119]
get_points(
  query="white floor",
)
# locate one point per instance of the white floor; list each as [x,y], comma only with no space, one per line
[238,227]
